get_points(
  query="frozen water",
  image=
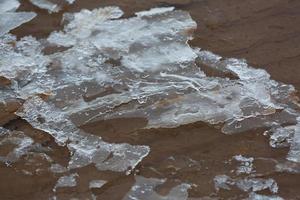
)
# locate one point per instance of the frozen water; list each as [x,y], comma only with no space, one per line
[294,154]
[11,20]
[66,181]
[246,164]
[45,4]
[144,188]
[8,5]
[22,144]
[254,196]
[245,184]
[96,183]
[86,149]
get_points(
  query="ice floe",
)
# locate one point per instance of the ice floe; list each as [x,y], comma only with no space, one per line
[144,188]
[45,4]
[9,19]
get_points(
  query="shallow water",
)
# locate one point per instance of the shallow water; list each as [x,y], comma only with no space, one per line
[187,159]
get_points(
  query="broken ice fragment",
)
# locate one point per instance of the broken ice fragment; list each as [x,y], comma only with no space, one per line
[70,1]
[144,188]
[11,20]
[246,184]
[246,164]
[294,153]
[45,4]
[66,181]
[96,184]
[57,168]
[20,142]
[86,149]
[254,196]
[8,5]
[154,11]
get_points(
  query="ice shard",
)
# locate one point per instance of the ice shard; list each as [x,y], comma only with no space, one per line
[11,20]
[85,148]
[144,188]
[45,4]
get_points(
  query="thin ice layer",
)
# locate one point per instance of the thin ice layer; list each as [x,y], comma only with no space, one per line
[144,188]
[86,149]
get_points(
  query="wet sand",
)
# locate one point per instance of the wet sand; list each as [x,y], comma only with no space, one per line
[266,33]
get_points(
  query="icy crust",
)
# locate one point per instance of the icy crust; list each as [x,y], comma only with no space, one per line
[138,67]
[9,19]
[85,148]
[144,188]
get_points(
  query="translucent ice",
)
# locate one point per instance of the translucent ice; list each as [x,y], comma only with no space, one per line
[144,188]
[86,149]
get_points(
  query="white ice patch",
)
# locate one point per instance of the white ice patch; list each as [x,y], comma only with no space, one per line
[11,20]
[144,188]
[247,184]
[66,181]
[246,164]
[294,153]
[85,148]
[22,144]
[96,184]
[8,5]
[47,5]
[139,67]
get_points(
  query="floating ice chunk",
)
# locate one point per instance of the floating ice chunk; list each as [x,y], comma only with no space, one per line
[22,144]
[8,5]
[246,184]
[84,24]
[294,153]
[47,5]
[3,131]
[257,184]
[86,149]
[282,136]
[254,196]
[96,183]
[57,168]
[288,166]
[20,62]
[223,182]
[144,188]
[246,164]
[11,20]
[154,11]
[66,181]
[70,1]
